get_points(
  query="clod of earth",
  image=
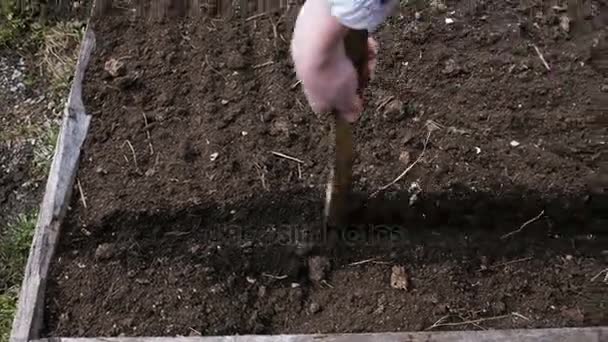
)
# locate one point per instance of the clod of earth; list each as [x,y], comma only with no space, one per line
[404,158]
[314,308]
[564,23]
[115,68]
[438,6]
[318,267]
[399,278]
[105,251]
[394,110]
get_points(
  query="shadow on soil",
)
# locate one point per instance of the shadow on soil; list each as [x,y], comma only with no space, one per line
[261,234]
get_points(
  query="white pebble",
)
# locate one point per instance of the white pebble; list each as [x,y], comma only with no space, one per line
[16,74]
[477,150]
[514,143]
[449,21]
[243,133]
[213,156]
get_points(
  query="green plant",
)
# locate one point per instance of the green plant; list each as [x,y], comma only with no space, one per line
[14,246]
[12,28]
[8,306]
[14,249]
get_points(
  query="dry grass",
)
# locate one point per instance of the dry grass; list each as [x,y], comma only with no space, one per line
[60,53]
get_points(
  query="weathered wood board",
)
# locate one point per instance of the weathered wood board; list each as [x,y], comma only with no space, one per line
[29,317]
[530,335]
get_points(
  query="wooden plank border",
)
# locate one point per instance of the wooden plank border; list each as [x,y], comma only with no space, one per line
[599,334]
[30,307]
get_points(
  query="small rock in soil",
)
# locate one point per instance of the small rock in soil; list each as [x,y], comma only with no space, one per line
[438,6]
[318,267]
[115,67]
[604,88]
[399,278]
[101,171]
[262,291]
[564,23]
[393,110]
[404,157]
[451,67]
[105,251]
[314,308]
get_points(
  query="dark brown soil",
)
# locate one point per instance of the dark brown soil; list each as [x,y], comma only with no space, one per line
[190,220]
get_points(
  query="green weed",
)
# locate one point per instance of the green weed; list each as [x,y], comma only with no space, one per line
[14,249]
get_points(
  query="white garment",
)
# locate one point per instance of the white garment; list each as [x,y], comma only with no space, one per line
[362,14]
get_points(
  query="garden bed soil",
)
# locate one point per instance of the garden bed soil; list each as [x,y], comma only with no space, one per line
[190,219]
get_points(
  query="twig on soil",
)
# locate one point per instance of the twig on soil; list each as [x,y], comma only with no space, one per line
[542,58]
[176,233]
[407,169]
[517,314]
[282,155]
[133,152]
[474,324]
[511,262]
[293,86]
[475,321]
[599,274]
[324,282]
[274,28]
[262,175]
[523,225]
[300,104]
[384,102]
[148,133]
[82,198]
[281,277]
[363,262]
[263,65]
[195,331]
[257,16]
